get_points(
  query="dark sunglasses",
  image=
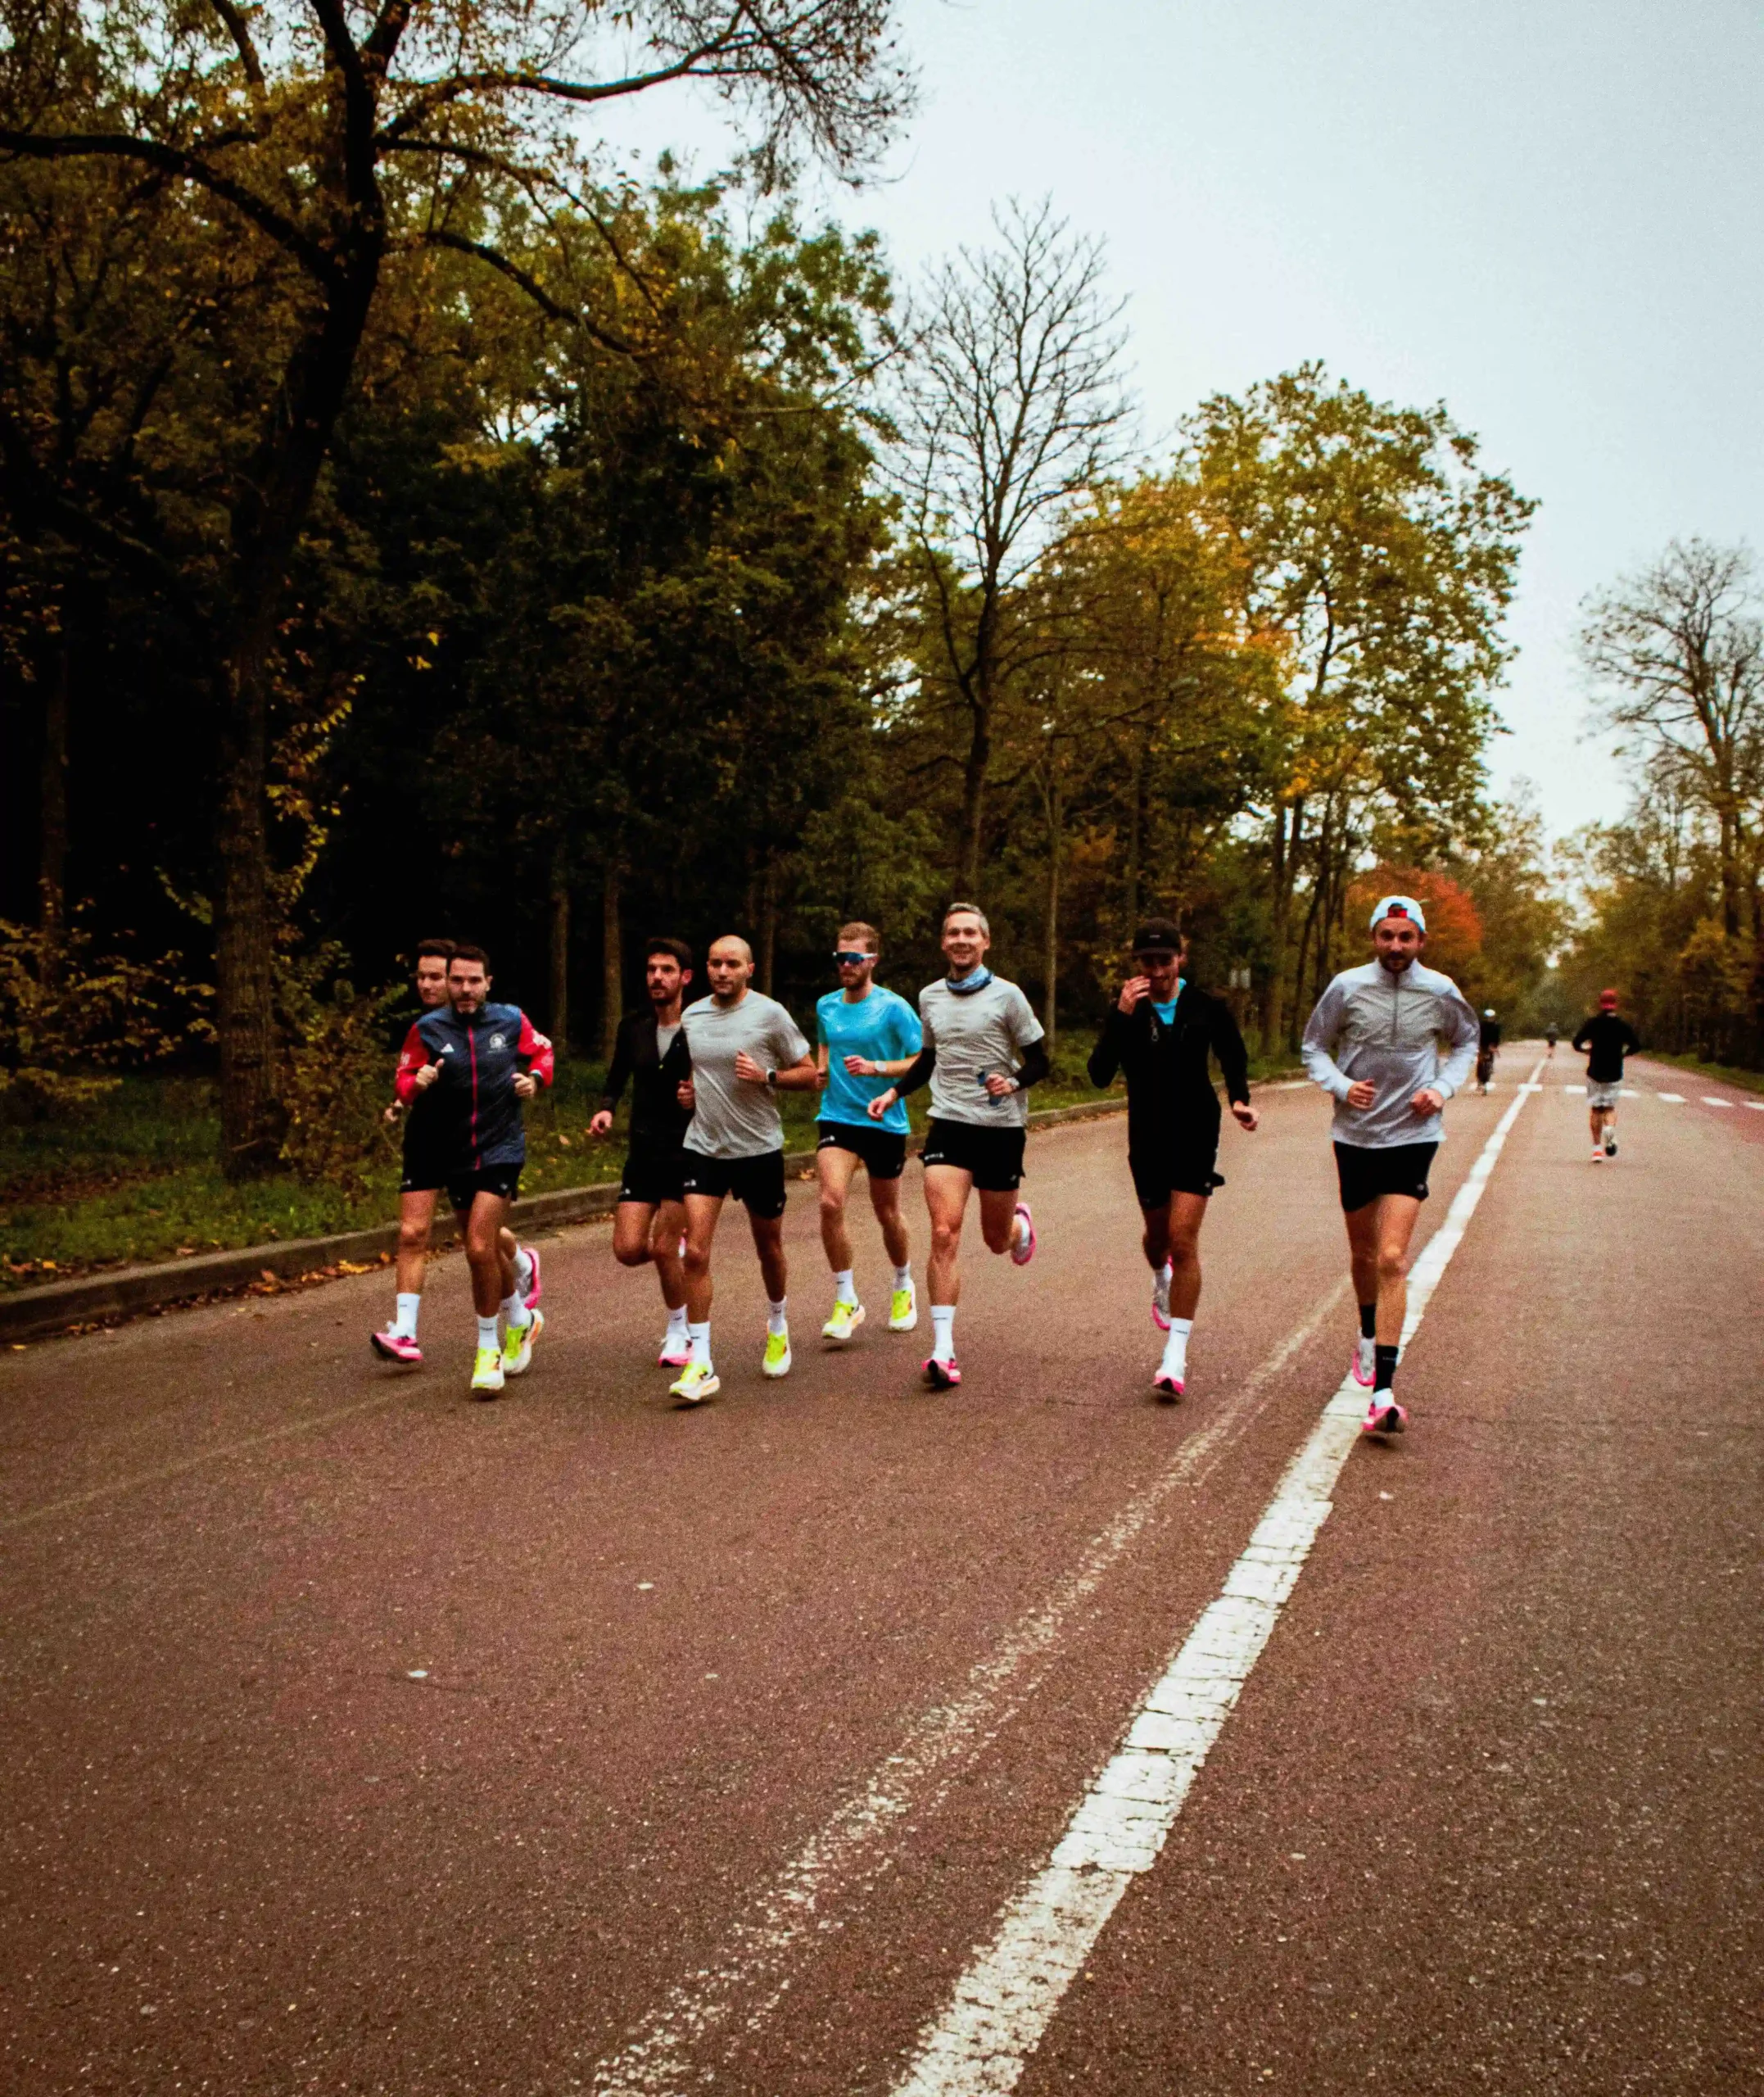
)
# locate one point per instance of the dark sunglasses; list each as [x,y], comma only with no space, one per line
[852,958]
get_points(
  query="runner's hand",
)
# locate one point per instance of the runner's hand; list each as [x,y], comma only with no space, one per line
[999,1085]
[602,1123]
[426,1076]
[526,1085]
[746,1069]
[1133,990]
[1247,1117]
[861,1067]
[1427,1101]
[392,1113]
[687,1095]
[1361,1095]
[881,1104]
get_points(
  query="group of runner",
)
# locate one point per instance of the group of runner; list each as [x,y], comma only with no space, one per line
[1391,1041]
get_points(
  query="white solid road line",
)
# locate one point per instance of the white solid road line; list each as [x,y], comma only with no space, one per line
[1002,2004]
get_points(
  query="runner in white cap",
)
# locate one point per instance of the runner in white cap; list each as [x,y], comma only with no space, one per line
[1373,1045]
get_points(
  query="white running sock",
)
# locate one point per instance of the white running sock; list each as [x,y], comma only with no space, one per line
[943,1332]
[1165,1272]
[700,1339]
[776,1320]
[676,1323]
[404,1325]
[903,1276]
[523,1269]
[844,1289]
[486,1332]
[1175,1361]
[516,1315]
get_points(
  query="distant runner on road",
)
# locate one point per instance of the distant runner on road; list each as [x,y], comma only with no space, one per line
[1604,1040]
[867,1034]
[480,1063]
[976,1027]
[745,1048]
[1552,1034]
[1373,1042]
[1487,1049]
[424,1173]
[1160,1031]
[650,1054]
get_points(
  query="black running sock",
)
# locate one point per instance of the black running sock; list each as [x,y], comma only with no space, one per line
[1385,1374]
[1368,1321]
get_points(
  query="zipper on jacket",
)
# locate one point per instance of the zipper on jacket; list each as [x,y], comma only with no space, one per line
[470,1043]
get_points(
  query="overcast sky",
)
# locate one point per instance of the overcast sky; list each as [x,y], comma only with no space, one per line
[1546,213]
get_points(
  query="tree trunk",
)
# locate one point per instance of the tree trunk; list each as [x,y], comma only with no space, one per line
[1050,1018]
[1283,852]
[973,801]
[1136,813]
[560,952]
[767,928]
[52,860]
[612,960]
[252,1120]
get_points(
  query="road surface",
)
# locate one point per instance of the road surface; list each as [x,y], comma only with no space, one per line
[361,1738]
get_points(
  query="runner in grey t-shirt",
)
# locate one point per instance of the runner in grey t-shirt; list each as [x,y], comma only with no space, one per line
[983,1051]
[745,1046]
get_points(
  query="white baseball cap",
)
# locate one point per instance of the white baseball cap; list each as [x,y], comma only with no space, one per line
[1400,906]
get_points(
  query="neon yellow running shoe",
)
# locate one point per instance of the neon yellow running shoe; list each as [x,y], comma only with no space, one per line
[904,1309]
[695,1382]
[777,1361]
[486,1373]
[846,1319]
[518,1343]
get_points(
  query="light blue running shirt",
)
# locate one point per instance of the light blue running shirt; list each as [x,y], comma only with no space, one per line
[880,1027]
[1167,1013]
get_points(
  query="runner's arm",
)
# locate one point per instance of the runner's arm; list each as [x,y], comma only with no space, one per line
[1580,1043]
[1320,1030]
[797,1077]
[1233,1058]
[618,1072]
[411,1058]
[1106,1058]
[1464,1029]
[1034,1066]
[537,1049]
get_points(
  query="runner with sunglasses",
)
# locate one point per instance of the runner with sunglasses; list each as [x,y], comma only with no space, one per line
[867,1035]
[1160,1031]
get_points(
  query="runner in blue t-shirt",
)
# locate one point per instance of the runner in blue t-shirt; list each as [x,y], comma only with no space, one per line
[867,1035]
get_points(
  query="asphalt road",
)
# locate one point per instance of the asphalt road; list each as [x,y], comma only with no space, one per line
[362,1738]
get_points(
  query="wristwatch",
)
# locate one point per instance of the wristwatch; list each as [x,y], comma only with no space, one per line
[772,1079]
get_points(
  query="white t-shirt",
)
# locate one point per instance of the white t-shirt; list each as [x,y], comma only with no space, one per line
[733,1118]
[986,1030]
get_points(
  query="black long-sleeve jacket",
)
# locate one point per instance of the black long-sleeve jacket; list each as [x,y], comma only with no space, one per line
[1170,1089]
[656,1116]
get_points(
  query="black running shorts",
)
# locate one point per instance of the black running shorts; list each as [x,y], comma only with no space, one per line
[423,1171]
[502,1180]
[993,1157]
[1366,1174]
[1161,1170]
[653,1173]
[756,1182]
[883,1151]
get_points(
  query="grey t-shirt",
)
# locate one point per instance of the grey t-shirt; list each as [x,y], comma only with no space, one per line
[733,1118]
[986,1030]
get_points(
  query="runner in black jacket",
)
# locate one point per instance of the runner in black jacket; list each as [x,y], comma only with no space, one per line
[1604,1040]
[651,1056]
[1160,1032]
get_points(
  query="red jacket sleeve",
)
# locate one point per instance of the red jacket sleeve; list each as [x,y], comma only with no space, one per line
[411,1058]
[534,1048]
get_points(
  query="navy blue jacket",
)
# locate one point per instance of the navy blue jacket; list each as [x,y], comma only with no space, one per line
[472,1114]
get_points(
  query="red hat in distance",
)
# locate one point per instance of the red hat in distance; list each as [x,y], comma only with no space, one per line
[1608,1000]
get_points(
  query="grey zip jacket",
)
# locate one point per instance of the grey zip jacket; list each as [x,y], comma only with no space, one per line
[1371,1024]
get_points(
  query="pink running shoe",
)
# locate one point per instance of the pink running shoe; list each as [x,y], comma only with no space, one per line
[675,1355]
[396,1347]
[1365,1363]
[1170,1388]
[1384,1415]
[1024,1252]
[533,1294]
[941,1375]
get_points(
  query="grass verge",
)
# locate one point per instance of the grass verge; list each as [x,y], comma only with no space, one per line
[1722,1073]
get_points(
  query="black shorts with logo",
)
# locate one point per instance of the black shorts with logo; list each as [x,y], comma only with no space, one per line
[994,1156]
[1366,1174]
[502,1180]
[757,1182]
[883,1151]
[1161,1170]
[653,1173]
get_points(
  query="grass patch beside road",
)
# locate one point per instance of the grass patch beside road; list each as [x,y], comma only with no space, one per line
[134,1178]
[1722,1073]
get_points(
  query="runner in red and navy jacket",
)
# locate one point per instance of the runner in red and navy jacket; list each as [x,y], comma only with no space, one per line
[477,1062]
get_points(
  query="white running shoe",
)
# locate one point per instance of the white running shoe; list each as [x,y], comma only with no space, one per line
[1384,1415]
[1365,1363]
[1161,1299]
[846,1319]
[518,1344]
[676,1351]
[1023,1248]
[698,1382]
[1167,1387]
[904,1309]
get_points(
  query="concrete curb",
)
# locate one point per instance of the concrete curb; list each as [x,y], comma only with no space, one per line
[156,1285]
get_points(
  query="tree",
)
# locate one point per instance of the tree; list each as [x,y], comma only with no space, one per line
[1679,653]
[333,141]
[1010,407]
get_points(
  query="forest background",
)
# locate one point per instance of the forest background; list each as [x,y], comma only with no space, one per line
[406,530]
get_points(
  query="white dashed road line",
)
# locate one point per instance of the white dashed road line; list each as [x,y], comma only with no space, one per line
[1710,1100]
[1002,2004]
[1672,1098]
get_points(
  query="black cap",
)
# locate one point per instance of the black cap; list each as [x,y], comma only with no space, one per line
[1156,933]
